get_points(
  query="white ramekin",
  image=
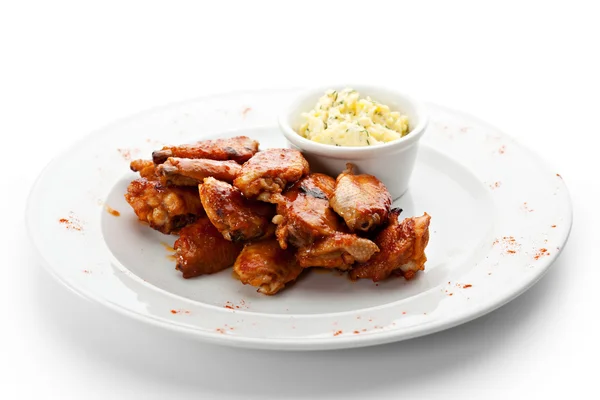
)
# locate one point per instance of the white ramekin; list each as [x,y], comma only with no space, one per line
[391,162]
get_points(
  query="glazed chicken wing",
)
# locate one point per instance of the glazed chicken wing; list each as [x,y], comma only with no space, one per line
[237,218]
[191,172]
[402,249]
[145,168]
[303,212]
[339,250]
[362,200]
[268,172]
[166,209]
[202,250]
[238,149]
[267,266]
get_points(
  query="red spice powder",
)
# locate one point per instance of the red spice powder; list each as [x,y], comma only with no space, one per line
[356,332]
[526,207]
[468,285]
[495,185]
[220,330]
[541,252]
[559,176]
[552,226]
[128,154]
[71,223]
[337,333]
[173,311]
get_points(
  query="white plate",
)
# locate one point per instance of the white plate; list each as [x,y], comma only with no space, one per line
[495,207]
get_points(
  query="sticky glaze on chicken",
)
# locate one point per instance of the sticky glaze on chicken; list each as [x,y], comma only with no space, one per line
[202,250]
[237,218]
[402,249]
[339,250]
[268,172]
[166,209]
[191,172]
[145,168]
[238,149]
[266,266]
[303,211]
[362,200]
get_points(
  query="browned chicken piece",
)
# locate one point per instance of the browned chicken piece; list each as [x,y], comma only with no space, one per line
[166,209]
[303,211]
[237,218]
[402,249]
[238,149]
[201,250]
[269,171]
[339,250]
[191,172]
[145,168]
[362,200]
[267,266]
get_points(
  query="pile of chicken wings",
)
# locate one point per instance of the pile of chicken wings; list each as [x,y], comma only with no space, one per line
[266,214]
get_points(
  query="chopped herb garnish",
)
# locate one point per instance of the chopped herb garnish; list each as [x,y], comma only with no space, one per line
[369,143]
[337,145]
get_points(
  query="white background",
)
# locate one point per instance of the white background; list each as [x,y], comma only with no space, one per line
[67,68]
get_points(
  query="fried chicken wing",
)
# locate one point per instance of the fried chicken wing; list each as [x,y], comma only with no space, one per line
[339,250]
[402,249]
[268,172]
[191,172]
[303,211]
[237,218]
[145,168]
[267,266]
[362,200]
[239,149]
[202,250]
[166,209]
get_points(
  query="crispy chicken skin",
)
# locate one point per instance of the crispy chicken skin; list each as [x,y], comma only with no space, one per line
[268,172]
[339,250]
[362,200]
[238,149]
[303,211]
[191,172]
[166,209]
[402,249]
[145,168]
[202,250]
[267,266]
[237,218]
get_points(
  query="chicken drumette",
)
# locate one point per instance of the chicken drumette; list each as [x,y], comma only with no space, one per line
[267,266]
[239,149]
[191,172]
[303,212]
[166,209]
[237,218]
[362,200]
[201,250]
[268,172]
[402,249]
